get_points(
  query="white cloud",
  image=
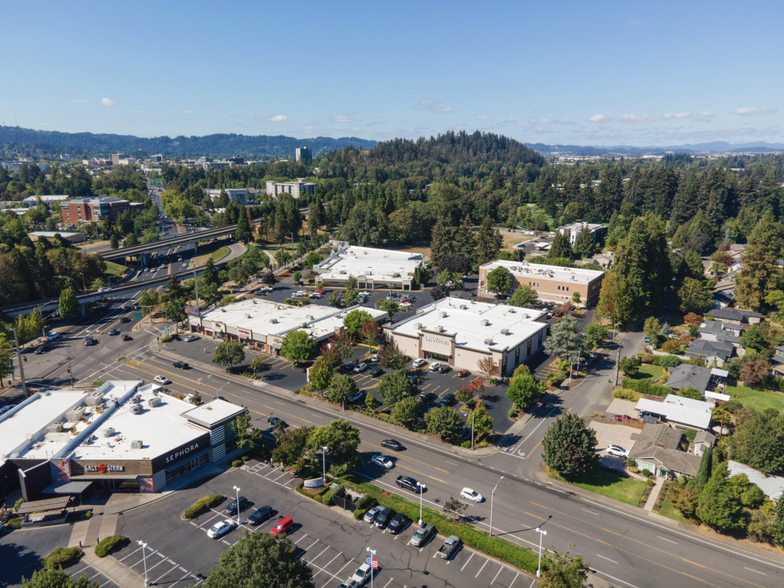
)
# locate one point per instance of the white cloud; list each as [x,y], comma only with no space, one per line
[278,118]
[261,115]
[678,115]
[108,102]
[81,100]
[706,114]
[342,118]
[751,110]
[483,117]
[547,121]
[598,118]
[510,120]
[185,111]
[432,106]
[625,118]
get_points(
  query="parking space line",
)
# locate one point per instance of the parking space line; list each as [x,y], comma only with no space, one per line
[163,575]
[312,544]
[300,539]
[513,581]
[279,477]
[130,554]
[388,583]
[335,576]
[496,576]
[320,554]
[480,569]
[328,563]
[465,564]
[289,482]
[181,579]
[165,559]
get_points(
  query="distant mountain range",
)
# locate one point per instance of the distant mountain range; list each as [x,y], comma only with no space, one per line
[221,145]
[712,147]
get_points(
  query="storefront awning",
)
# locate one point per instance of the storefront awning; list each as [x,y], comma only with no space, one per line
[104,477]
[67,488]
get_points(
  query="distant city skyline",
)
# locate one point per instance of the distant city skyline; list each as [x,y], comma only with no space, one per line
[615,73]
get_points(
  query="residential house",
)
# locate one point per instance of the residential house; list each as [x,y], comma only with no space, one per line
[657,448]
[720,331]
[686,375]
[722,299]
[778,360]
[681,412]
[772,486]
[702,441]
[715,353]
[735,316]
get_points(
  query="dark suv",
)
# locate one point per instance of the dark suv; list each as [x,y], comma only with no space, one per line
[384,518]
[231,509]
[446,400]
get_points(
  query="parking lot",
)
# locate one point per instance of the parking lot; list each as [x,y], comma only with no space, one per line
[329,539]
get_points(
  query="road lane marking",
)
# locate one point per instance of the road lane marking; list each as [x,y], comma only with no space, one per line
[590,512]
[607,558]
[755,571]
[667,540]
[513,581]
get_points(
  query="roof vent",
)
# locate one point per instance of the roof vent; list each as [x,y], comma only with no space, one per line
[247,316]
[75,414]
[55,428]
[274,321]
[137,444]
[418,325]
[463,307]
[442,314]
[488,341]
[109,432]
[136,408]
[504,331]
[485,322]
[303,325]
[94,399]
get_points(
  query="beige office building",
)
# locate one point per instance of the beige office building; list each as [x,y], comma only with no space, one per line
[552,283]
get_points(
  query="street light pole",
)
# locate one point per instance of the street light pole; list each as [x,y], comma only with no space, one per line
[541,536]
[421,489]
[70,371]
[144,559]
[324,463]
[473,412]
[372,559]
[196,287]
[492,500]
[19,361]
[236,488]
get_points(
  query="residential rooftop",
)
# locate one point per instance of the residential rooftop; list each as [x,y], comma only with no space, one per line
[678,409]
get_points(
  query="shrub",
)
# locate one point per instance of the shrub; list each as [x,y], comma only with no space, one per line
[245,458]
[106,546]
[62,557]
[14,523]
[634,470]
[18,504]
[626,394]
[512,413]
[667,361]
[650,483]
[201,505]
[646,358]
[647,473]
[646,387]
[167,339]
[236,463]
[631,462]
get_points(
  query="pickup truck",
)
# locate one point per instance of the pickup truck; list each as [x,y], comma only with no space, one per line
[450,547]
[408,483]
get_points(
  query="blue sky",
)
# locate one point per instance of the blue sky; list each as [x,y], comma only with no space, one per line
[586,73]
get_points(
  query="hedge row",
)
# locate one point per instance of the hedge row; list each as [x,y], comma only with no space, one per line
[201,505]
[62,556]
[106,546]
[646,387]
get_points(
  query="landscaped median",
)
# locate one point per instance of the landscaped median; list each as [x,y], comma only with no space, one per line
[109,544]
[496,547]
[201,505]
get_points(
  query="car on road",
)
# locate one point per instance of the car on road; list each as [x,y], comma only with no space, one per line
[384,518]
[376,372]
[260,515]
[418,363]
[434,366]
[125,319]
[382,461]
[101,290]
[463,373]
[181,365]
[163,380]
[40,349]
[53,336]
[472,495]
[219,530]
[422,535]
[190,338]
[231,509]
[408,483]
[113,332]
[450,547]
[391,444]
[362,575]
[275,420]
[88,341]
[360,367]
[127,338]
[398,524]
[617,451]
[370,515]
[284,526]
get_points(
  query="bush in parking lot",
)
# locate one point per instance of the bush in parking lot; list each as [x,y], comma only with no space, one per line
[236,463]
[201,505]
[106,546]
[167,339]
[62,556]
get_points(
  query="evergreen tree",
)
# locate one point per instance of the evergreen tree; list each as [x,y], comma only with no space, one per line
[583,245]
[569,446]
[616,300]
[718,506]
[565,340]
[703,474]
[560,248]
[114,241]
[243,233]
[760,269]
[210,275]
[488,242]
[779,521]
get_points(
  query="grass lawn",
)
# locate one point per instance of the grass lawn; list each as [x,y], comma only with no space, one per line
[757,399]
[653,372]
[610,484]
[668,511]
[215,255]
[115,269]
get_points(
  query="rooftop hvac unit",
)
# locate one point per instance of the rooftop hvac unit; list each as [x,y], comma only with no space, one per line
[75,414]
[94,399]
[574,277]
[511,311]
[418,325]
[442,314]
[527,315]
[154,401]
[488,341]
[274,321]
[504,331]
[247,316]
[439,328]
[137,444]
[303,325]
[136,409]
[55,428]
[395,274]
[485,322]
[109,432]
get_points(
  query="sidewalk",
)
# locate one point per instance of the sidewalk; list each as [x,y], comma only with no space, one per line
[654,495]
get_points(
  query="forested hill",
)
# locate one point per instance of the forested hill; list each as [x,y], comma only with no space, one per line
[41,143]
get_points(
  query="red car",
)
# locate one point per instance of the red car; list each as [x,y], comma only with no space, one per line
[126,338]
[284,526]
[463,373]
[622,417]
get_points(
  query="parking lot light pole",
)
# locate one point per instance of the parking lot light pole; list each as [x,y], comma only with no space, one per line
[19,361]
[492,500]
[421,493]
[541,536]
[238,505]
[372,558]
[144,559]
[324,463]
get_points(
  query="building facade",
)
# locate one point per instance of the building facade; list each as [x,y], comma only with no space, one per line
[303,154]
[295,189]
[238,196]
[373,268]
[85,210]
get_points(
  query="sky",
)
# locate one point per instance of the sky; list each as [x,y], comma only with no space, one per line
[559,72]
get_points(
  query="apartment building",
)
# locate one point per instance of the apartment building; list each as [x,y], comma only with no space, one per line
[82,210]
[296,189]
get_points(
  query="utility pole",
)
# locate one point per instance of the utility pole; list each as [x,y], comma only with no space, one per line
[618,363]
[19,360]
[70,371]
[196,287]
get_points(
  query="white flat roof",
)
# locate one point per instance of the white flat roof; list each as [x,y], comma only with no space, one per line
[678,409]
[213,412]
[160,428]
[466,320]
[378,264]
[540,271]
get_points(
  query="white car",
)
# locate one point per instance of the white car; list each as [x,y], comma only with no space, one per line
[382,461]
[418,363]
[434,366]
[617,451]
[472,495]
[301,293]
[374,357]
[361,367]
[219,530]
[362,575]
[104,290]
[365,294]
[161,380]
[52,336]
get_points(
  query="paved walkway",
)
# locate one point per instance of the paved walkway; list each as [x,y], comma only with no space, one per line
[654,495]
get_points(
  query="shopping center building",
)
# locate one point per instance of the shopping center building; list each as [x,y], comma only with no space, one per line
[462,333]
[125,436]
[373,268]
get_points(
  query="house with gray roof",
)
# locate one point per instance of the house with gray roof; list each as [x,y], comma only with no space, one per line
[735,316]
[686,375]
[717,330]
[715,353]
[772,486]
[703,440]
[657,448]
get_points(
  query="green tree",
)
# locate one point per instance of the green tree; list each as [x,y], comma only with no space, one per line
[758,441]
[703,474]
[652,328]
[97,283]
[256,363]
[563,570]
[6,357]
[480,419]
[371,402]
[68,304]
[114,241]
[261,559]
[389,306]
[150,236]
[355,319]
[405,411]
[342,441]
[565,340]
[341,389]
[57,578]
[394,387]
[390,356]
[149,299]
[282,256]
[616,300]
[596,334]
[175,311]
[321,374]
[695,296]
[524,296]
[444,421]
[312,259]
[560,248]
[210,275]
[760,269]
[779,521]
[246,434]
[229,354]
[718,507]
[244,234]
[335,300]
[499,280]
[524,390]
[570,447]
[298,346]
[630,365]
[487,243]
[584,245]
[292,446]
[690,392]
[130,240]
[351,283]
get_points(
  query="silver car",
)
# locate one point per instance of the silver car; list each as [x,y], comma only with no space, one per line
[422,535]
[370,515]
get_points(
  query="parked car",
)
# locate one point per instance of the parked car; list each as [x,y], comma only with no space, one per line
[356,396]
[384,517]
[446,400]
[362,575]
[398,524]
[426,397]
[382,461]
[450,547]
[617,451]
[472,495]
[219,530]
[422,535]
[284,526]
[647,339]
[391,444]
[624,417]
[163,380]
[113,332]
[434,366]
[370,515]
[463,373]
[260,515]
[374,357]
[419,362]
[275,420]
[443,369]
[360,367]
[241,503]
[127,338]
[181,365]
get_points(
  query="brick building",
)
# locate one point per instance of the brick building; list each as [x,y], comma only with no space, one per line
[83,210]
